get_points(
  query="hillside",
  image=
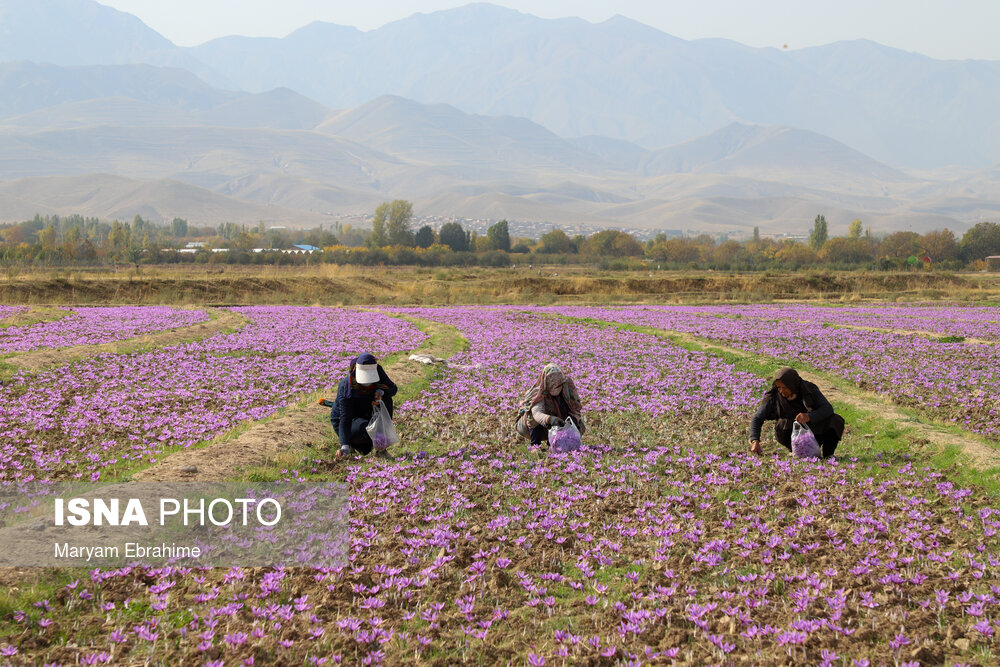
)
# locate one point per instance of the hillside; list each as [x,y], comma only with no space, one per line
[618,79]
[115,197]
[527,125]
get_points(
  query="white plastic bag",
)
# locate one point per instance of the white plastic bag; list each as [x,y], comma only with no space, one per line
[804,444]
[565,438]
[381,429]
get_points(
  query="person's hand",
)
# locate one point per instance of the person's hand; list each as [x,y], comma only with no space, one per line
[802,418]
[755,447]
[378,396]
[556,421]
[322,401]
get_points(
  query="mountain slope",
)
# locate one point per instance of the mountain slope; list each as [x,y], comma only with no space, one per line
[624,80]
[27,86]
[441,134]
[618,79]
[782,154]
[114,197]
[84,32]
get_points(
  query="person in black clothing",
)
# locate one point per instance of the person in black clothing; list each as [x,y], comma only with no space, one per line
[792,399]
[365,386]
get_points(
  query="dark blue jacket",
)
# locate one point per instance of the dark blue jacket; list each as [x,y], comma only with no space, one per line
[353,402]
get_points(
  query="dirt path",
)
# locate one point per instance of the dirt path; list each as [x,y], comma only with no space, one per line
[221,320]
[300,428]
[981,453]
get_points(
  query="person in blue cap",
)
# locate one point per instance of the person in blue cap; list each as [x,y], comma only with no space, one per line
[365,386]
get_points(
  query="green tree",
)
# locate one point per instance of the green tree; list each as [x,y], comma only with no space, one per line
[120,236]
[612,243]
[794,254]
[900,245]
[940,245]
[839,250]
[981,241]
[178,228]
[47,238]
[398,226]
[424,238]
[245,241]
[452,235]
[133,255]
[820,233]
[556,241]
[498,236]
[380,234]
[854,229]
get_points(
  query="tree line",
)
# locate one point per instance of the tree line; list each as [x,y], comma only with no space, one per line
[77,240]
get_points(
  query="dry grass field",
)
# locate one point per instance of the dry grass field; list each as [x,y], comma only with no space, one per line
[342,285]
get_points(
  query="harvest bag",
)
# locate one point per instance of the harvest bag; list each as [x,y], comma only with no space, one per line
[565,438]
[381,429]
[804,443]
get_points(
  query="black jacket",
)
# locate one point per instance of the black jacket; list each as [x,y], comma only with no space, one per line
[355,403]
[821,414]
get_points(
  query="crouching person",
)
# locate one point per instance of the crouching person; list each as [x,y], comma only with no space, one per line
[365,386]
[550,402]
[792,399]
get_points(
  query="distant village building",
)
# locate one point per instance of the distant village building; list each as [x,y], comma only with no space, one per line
[192,247]
[294,250]
[993,262]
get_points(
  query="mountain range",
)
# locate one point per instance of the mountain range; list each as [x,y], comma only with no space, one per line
[484,112]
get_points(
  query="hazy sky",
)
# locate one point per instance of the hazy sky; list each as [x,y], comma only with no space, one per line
[948,29]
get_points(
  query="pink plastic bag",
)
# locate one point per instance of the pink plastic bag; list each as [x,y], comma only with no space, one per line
[804,444]
[565,438]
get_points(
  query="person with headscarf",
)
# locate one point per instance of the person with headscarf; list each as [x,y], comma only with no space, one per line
[550,402]
[792,399]
[365,386]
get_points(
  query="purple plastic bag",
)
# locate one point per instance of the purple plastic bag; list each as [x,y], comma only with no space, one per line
[804,443]
[565,438]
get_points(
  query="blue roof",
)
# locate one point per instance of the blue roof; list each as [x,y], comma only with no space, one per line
[307,247]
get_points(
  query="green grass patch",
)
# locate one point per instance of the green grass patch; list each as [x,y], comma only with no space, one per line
[444,341]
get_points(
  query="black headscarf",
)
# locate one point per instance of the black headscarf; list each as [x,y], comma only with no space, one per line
[790,378]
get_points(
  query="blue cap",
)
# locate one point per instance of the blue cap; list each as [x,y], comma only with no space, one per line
[366,369]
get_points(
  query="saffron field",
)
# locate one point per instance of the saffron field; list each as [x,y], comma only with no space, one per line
[74,421]
[946,377]
[91,326]
[662,541]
